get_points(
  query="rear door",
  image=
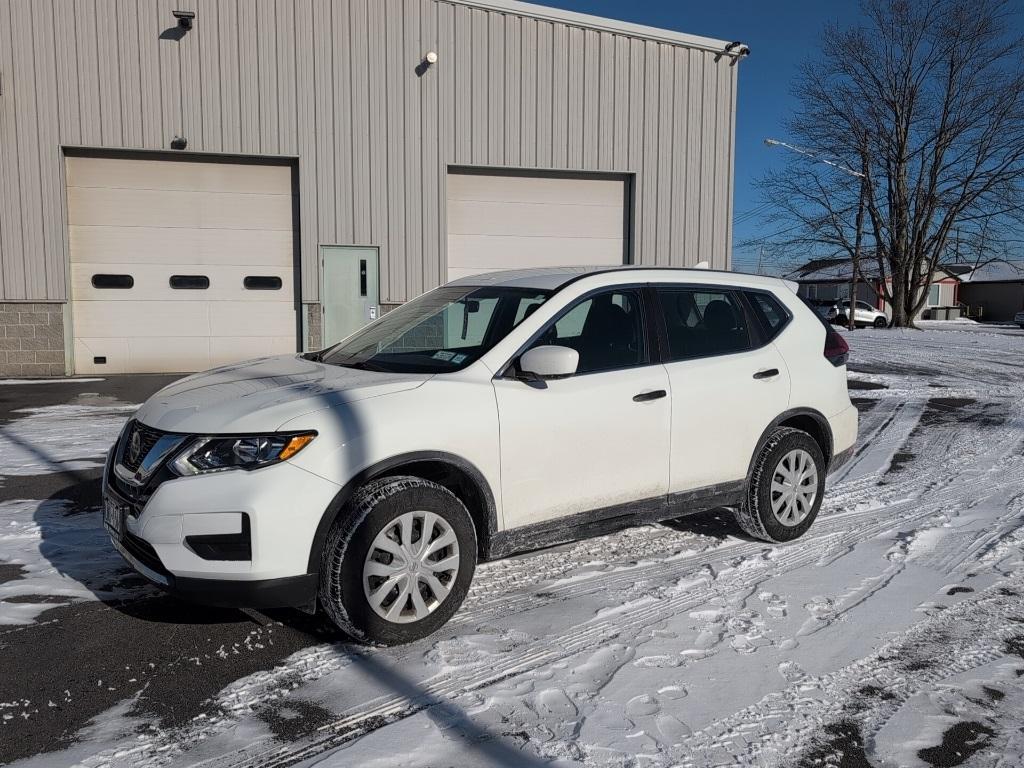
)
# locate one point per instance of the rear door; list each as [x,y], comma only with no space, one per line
[727,381]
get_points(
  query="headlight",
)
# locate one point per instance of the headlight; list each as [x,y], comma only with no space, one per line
[216,454]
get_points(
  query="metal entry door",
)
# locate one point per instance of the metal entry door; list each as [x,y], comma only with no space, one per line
[351,290]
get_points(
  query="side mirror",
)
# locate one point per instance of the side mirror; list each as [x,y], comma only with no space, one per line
[549,362]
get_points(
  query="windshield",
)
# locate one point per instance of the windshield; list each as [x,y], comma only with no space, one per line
[442,331]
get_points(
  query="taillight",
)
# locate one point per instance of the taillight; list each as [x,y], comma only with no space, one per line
[836,349]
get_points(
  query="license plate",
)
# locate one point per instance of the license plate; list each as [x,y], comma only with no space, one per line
[113,516]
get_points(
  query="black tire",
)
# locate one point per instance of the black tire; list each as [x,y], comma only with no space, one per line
[755,514]
[375,505]
[880,322]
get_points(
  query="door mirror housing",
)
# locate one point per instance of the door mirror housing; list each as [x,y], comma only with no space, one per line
[549,362]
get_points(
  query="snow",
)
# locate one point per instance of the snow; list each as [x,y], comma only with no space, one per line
[64,556]
[19,382]
[55,541]
[895,626]
[60,438]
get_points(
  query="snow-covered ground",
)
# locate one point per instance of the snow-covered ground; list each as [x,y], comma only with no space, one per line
[891,635]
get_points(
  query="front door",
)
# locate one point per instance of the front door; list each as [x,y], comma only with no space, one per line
[594,440]
[350,290]
[727,387]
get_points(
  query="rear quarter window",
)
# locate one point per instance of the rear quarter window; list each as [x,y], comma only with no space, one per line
[770,312]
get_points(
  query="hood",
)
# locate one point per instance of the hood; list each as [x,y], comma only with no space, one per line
[261,395]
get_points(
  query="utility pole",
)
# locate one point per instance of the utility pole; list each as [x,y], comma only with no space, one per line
[858,236]
[859,222]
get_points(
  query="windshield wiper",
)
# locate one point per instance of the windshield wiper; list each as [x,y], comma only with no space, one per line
[363,365]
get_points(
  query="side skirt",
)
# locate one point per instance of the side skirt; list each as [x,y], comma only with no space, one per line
[599,522]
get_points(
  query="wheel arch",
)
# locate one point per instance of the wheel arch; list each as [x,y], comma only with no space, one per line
[458,475]
[806,420]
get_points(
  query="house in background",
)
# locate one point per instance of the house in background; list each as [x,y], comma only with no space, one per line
[994,291]
[828,279]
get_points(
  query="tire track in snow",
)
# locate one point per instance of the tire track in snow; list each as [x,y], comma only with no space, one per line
[754,563]
[835,532]
[901,667]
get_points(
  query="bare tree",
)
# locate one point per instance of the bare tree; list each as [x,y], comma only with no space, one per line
[926,100]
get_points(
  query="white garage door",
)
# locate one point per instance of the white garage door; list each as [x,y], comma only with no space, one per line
[179,266]
[516,222]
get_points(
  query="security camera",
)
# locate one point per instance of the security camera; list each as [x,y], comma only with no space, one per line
[431,57]
[185,18]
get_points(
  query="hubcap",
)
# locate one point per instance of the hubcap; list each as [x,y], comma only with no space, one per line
[794,487]
[411,567]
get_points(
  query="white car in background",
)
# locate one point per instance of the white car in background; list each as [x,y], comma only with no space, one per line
[495,414]
[863,315]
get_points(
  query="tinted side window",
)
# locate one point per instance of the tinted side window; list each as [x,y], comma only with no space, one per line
[607,330]
[771,313]
[703,322]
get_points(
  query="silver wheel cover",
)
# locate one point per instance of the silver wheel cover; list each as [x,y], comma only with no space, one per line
[794,487]
[411,567]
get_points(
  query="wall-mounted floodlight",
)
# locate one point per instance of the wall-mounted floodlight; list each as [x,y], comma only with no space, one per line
[738,49]
[185,18]
[429,59]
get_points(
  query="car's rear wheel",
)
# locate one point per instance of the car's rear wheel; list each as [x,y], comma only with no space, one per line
[880,322]
[785,488]
[398,562]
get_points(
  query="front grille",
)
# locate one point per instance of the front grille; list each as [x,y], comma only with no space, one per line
[147,464]
[147,437]
[135,495]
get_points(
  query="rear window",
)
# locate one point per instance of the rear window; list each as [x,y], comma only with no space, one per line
[703,322]
[769,311]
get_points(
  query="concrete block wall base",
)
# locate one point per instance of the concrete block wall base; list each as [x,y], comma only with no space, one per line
[314,326]
[32,339]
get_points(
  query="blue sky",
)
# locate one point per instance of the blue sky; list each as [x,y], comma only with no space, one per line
[781,34]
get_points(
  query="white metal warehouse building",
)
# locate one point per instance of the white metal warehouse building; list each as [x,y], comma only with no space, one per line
[178,192]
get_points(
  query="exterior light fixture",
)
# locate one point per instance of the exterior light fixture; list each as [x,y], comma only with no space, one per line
[179,142]
[185,18]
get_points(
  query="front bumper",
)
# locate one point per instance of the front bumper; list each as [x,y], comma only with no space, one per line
[275,510]
[286,592]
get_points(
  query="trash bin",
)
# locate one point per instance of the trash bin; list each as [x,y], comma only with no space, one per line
[953,313]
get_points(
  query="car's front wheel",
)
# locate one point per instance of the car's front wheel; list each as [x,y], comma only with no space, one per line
[398,562]
[880,322]
[785,488]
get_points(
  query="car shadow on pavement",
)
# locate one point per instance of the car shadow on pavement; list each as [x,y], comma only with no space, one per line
[718,523]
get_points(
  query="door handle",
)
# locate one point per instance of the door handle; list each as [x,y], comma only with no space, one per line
[643,397]
[767,373]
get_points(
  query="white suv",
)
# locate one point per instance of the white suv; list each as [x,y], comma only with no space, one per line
[863,315]
[498,413]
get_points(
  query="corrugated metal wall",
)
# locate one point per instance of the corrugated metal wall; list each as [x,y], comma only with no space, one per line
[335,84]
